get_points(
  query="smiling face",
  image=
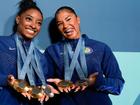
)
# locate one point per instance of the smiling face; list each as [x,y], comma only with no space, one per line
[68,24]
[29,23]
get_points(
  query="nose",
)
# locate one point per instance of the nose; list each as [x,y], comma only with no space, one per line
[33,25]
[65,25]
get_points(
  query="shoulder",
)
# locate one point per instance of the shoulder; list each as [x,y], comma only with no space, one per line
[55,47]
[95,44]
[7,40]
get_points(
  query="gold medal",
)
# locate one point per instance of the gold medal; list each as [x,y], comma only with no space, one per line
[18,84]
[65,83]
[47,91]
[36,92]
[21,86]
[84,82]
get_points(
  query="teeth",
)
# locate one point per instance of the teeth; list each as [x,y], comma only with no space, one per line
[68,31]
[30,31]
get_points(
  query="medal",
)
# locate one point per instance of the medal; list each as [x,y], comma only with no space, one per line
[18,84]
[21,86]
[65,83]
[36,92]
[81,83]
[47,91]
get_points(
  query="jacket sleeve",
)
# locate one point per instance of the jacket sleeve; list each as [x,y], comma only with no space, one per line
[110,79]
[3,81]
[50,64]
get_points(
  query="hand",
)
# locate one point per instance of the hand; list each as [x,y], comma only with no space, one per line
[81,85]
[56,81]
[85,83]
[53,90]
[26,94]
[92,78]
[11,80]
[48,91]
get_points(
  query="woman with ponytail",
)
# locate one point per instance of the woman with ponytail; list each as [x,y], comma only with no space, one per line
[22,66]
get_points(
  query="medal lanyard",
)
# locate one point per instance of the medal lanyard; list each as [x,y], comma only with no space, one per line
[69,68]
[30,63]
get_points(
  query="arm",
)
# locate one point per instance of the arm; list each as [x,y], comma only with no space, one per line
[110,79]
[3,80]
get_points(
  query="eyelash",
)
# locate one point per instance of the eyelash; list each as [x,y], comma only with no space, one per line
[28,18]
[68,19]
[39,23]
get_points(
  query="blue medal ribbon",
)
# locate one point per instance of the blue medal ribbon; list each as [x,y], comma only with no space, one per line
[28,62]
[69,54]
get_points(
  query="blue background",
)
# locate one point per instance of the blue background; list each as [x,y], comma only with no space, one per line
[115,22]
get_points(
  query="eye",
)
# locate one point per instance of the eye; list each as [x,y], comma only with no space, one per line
[28,19]
[39,23]
[59,24]
[68,19]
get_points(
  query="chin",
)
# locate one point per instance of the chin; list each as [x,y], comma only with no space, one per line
[29,37]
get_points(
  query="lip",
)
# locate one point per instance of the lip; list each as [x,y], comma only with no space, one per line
[30,31]
[68,31]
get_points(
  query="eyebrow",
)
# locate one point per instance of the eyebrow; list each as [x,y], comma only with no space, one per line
[65,18]
[33,17]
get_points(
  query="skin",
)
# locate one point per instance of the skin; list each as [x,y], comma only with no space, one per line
[69,26]
[28,26]
[29,23]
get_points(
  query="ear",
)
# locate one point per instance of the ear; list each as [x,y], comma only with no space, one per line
[17,19]
[78,19]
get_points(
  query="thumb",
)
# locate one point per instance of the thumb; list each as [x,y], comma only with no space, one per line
[53,80]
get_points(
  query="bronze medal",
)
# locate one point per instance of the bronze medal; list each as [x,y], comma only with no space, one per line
[65,83]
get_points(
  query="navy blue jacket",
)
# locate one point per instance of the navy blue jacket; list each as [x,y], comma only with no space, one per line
[99,58]
[8,65]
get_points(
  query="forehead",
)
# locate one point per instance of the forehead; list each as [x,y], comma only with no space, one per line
[64,13]
[32,12]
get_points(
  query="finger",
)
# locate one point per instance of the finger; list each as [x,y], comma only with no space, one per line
[53,90]
[60,89]
[69,89]
[66,90]
[23,94]
[83,88]
[94,74]
[77,89]
[53,80]
[46,98]
[41,98]
[73,87]
[28,96]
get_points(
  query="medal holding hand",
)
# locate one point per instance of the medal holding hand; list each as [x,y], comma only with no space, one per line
[20,86]
[37,92]
[83,84]
[63,85]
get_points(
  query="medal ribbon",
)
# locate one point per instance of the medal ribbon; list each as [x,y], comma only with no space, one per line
[28,62]
[69,68]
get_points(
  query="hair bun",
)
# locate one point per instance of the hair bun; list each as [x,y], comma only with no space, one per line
[26,3]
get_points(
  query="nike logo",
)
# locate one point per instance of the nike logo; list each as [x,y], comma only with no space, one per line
[10,48]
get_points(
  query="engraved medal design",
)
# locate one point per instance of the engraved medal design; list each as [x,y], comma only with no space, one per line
[65,83]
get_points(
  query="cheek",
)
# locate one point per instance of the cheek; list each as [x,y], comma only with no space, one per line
[38,28]
[60,28]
